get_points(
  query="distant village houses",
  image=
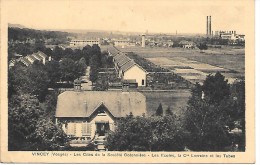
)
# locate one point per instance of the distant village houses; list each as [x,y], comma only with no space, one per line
[30,59]
[187,44]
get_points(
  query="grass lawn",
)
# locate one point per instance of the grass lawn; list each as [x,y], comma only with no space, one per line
[175,99]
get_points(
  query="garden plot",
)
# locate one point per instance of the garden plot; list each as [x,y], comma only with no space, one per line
[191,75]
[164,61]
[200,66]
[191,70]
[170,64]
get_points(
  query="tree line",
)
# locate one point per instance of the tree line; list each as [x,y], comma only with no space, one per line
[17,34]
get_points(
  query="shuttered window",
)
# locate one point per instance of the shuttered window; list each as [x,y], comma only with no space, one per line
[71,129]
[75,128]
[84,129]
[88,129]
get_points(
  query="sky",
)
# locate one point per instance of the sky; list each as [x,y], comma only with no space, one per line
[162,16]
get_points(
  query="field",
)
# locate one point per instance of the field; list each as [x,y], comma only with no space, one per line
[175,99]
[194,65]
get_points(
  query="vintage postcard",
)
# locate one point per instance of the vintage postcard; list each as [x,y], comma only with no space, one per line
[126,81]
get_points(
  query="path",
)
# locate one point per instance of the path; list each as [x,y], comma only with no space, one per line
[86,83]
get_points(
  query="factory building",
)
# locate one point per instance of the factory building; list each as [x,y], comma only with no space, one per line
[82,43]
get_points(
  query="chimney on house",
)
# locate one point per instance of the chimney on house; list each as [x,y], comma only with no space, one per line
[77,84]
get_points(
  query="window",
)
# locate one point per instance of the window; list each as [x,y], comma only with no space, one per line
[142,81]
[88,129]
[84,128]
[71,129]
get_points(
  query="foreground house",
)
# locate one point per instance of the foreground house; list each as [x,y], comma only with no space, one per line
[91,114]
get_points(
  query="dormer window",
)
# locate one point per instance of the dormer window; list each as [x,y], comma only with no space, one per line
[101,112]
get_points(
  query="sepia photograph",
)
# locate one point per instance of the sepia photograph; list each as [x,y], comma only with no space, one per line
[132,79]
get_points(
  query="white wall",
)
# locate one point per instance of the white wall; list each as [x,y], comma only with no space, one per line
[136,73]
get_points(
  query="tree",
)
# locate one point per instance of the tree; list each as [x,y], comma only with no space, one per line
[159,111]
[169,111]
[23,115]
[238,98]
[47,51]
[57,53]
[206,119]
[216,88]
[86,52]
[38,84]
[94,68]
[68,53]
[50,104]
[81,66]
[67,69]
[17,80]
[131,134]
[28,80]
[167,135]
[49,135]
[53,70]
[202,46]
[237,112]
[146,134]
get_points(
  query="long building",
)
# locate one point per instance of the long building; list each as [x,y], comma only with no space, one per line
[128,69]
[82,43]
[122,43]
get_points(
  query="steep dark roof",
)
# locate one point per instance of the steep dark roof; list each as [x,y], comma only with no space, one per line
[128,65]
[38,57]
[119,56]
[84,103]
[112,50]
[42,54]
[32,57]
[25,61]
[123,61]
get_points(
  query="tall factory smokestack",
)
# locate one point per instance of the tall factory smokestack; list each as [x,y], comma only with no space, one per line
[207,26]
